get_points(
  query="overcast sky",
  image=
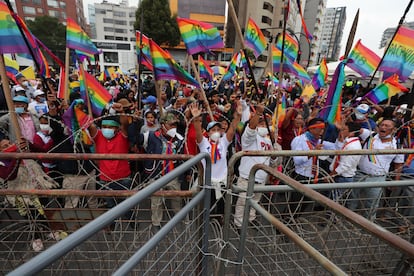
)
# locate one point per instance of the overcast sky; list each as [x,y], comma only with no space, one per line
[374,17]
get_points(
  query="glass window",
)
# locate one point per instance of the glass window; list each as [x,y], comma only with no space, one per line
[25,1]
[39,10]
[110,57]
[108,20]
[99,11]
[63,14]
[27,18]
[108,29]
[267,6]
[29,10]
[119,14]
[120,31]
[120,22]
[108,37]
[54,13]
[62,4]
[37,2]
[53,3]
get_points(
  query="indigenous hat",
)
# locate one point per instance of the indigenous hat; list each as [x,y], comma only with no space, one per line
[38,93]
[168,118]
[212,124]
[21,99]
[125,103]
[149,99]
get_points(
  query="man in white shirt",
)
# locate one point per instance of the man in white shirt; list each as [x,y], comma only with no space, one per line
[38,107]
[374,168]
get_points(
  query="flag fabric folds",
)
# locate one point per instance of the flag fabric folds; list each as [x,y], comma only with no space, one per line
[77,120]
[199,37]
[385,90]
[231,68]
[333,105]
[146,52]
[205,71]
[77,39]
[362,60]
[166,68]
[308,36]
[254,38]
[321,75]
[288,66]
[11,39]
[399,59]
[291,49]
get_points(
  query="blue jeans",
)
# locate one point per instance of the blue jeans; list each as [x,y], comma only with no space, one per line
[335,194]
[121,184]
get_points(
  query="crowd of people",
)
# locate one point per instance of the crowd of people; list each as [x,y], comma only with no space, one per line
[236,116]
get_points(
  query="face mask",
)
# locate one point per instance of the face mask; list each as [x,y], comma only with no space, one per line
[45,128]
[172,132]
[42,100]
[262,131]
[19,110]
[25,83]
[359,116]
[215,136]
[108,133]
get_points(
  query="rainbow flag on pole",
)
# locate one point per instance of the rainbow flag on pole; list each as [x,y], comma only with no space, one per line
[321,75]
[166,68]
[385,90]
[362,60]
[11,39]
[254,38]
[288,65]
[199,37]
[308,36]
[77,39]
[146,52]
[205,71]
[291,49]
[399,59]
[232,67]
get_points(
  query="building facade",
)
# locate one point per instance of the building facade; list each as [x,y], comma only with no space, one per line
[389,32]
[332,32]
[61,9]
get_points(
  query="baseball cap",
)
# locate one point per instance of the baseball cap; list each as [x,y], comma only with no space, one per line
[212,124]
[149,99]
[38,93]
[21,99]
[363,109]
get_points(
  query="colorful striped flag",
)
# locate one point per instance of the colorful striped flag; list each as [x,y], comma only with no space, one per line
[254,38]
[281,111]
[232,67]
[308,36]
[98,95]
[385,90]
[218,70]
[205,71]
[288,66]
[199,37]
[399,59]
[11,39]
[362,60]
[146,52]
[76,120]
[166,68]
[332,109]
[77,39]
[321,75]
[291,49]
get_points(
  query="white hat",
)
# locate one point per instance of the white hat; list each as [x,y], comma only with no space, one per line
[38,93]
[361,110]
[402,109]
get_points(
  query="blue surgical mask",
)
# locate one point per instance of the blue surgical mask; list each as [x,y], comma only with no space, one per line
[108,133]
[19,110]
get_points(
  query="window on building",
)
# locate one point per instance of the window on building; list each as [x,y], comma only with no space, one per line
[132,14]
[108,29]
[29,10]
[27,18]
[132,39]
[120,22]
[63,14]
[100,11]
[120,31]
[53,3]
[108,37]
[108,20]
[131,23]
[62,4]
[25,1]
[121,38]
[53,13]
[268,7]
[37,2]
[39,10]
[110,57]
[119,14]
[266,20]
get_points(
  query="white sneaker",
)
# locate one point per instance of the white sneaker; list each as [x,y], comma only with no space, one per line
[37,245]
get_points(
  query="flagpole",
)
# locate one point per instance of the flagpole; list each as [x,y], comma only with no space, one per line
[203,93]
[86,89]
[407,9]
[239,33]
[139,87]
[9,100]
[66,81]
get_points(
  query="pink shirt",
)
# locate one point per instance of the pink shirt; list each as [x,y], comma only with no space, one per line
[27,128]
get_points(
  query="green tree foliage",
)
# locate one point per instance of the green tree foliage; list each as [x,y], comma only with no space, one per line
[51,32]
[158,23]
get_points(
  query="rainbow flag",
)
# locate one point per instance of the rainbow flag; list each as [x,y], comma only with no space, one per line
[321,75]
[333,104]
[281,112]
[399,58]
[76,120]
[291,49]
[98,95]
[205,71]
[146,52]
[362,60]
[232,67]
[385,90]
[218,70]
[308,36]
[254,38]
[77,39]
[288,66]
[199,37]
[166,68]
[11,39]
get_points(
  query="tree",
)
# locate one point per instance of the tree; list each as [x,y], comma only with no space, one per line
[51,32]
[158,23]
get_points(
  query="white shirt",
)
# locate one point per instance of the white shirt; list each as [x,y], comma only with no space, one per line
[347,164]
[250,140]
[38,109]
[218,169]
[378,165]
[303,164]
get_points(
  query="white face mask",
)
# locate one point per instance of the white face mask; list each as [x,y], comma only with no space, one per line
[172,132]
[215,136]
[359,116]
[25,83]
[45,128]
[262,131]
